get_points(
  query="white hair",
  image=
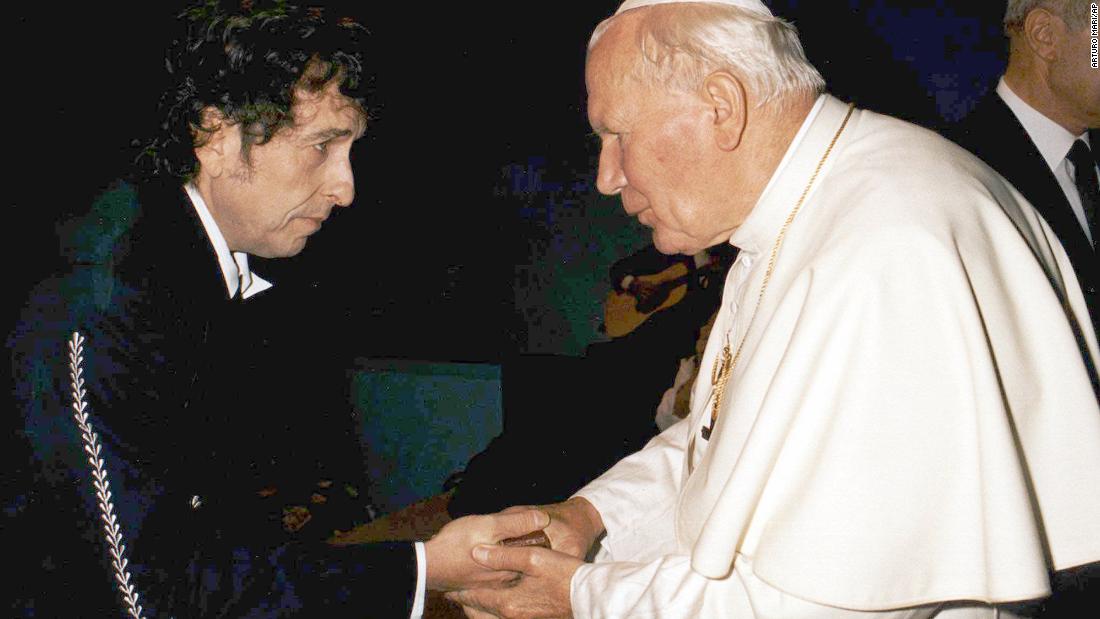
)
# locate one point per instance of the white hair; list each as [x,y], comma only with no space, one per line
[1074,12]
[682,43]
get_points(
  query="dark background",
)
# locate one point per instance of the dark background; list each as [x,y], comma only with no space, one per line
[422,265]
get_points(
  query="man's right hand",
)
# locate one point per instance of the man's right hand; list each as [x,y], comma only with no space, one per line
[574,527]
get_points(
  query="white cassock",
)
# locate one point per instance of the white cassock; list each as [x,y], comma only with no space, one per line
[910,422]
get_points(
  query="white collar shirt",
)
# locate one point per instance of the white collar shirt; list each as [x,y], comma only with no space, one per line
[234,264]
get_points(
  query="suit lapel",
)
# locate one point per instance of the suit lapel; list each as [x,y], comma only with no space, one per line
[994,133]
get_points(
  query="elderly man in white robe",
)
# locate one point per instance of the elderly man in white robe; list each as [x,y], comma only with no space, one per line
[896,412]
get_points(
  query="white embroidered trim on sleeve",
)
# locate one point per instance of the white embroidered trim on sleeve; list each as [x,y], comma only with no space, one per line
[111,530]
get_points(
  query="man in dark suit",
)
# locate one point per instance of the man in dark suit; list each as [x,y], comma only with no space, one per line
[1039,129]
[147,473]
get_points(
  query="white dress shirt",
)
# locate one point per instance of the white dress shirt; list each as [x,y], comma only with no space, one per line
[238,277]
[234,264]
[1054,144]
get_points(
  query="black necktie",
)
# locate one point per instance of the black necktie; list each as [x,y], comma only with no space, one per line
[1084,175]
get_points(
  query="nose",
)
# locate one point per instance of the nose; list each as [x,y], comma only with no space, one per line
[610,178]
[340,186]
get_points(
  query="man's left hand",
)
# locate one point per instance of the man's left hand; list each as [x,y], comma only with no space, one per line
[542,592]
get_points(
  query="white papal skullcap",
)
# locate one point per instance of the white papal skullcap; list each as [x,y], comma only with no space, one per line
[749,5]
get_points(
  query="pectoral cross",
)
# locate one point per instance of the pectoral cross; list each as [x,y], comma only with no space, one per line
[719,378]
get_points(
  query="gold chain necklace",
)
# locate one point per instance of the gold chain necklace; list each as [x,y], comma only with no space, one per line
[720,374]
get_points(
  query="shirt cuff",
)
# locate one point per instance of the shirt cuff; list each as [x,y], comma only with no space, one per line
[421,581]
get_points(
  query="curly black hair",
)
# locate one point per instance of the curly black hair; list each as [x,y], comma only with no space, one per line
[245,59]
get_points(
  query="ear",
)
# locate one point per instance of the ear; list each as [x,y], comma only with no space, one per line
[1042,31]
[216,140]
[725,94]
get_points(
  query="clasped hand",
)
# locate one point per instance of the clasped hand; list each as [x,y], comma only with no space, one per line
[532,582]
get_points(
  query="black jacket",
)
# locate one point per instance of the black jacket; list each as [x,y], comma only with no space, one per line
[223,509]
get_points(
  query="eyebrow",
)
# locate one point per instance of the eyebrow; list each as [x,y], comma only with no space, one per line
[327,134]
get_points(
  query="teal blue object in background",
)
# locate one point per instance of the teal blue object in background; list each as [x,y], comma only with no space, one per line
[422,421]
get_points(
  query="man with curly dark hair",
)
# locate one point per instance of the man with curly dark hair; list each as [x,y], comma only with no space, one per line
[152,460]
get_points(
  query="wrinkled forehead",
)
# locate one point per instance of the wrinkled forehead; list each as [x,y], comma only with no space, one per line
[615,93]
